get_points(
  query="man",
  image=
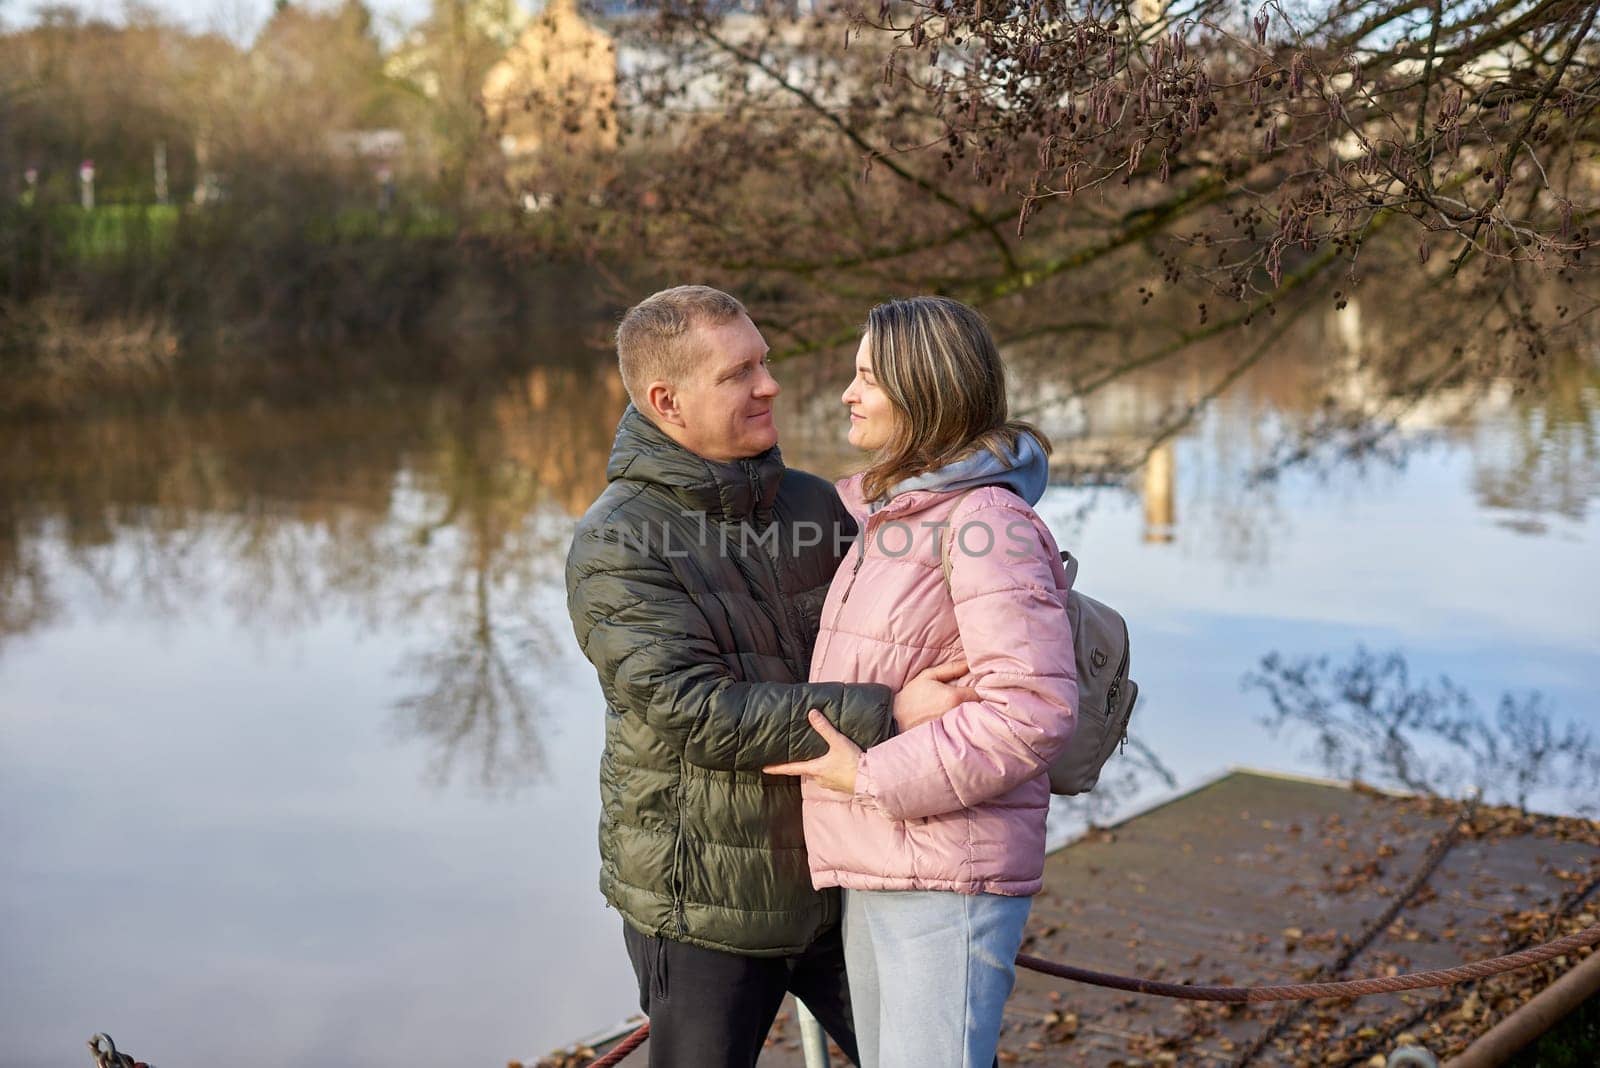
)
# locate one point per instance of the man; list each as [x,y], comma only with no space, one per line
[695,584]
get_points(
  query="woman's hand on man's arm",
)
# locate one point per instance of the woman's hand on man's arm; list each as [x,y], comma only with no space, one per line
[929,694]
[835,769]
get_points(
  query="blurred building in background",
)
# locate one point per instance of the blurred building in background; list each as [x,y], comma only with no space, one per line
[555,89]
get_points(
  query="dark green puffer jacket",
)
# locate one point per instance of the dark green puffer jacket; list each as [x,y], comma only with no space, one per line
[696,597]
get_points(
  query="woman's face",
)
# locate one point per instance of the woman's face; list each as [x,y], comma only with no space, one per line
[872,418]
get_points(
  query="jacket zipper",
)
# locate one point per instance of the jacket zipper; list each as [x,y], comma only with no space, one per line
[678,917]
[861,557]
[789,635]
[755,485]
[769,569]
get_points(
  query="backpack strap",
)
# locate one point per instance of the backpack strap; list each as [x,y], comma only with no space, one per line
[1069,563]
[944,542]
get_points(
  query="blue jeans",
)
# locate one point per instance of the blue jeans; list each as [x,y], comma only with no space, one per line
[930,972]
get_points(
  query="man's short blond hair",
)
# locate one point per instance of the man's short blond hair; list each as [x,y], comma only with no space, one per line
[655,340]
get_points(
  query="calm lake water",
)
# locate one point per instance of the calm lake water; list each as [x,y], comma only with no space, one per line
[298,758]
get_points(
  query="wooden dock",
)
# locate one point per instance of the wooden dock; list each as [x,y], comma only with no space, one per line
[1261,879]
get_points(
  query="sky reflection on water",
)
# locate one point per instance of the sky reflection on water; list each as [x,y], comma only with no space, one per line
[298,760]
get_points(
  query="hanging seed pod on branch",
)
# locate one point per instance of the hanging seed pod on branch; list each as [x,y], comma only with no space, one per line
[1451,108]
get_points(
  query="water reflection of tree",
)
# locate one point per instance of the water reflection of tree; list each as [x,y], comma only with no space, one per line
[1129,775]
[27,602]
[1543,457]
[443,509]
[503,485]
[473,699]
[1425,366]
[1371,720]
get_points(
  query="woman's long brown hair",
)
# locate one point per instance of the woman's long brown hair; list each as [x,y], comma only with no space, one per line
[936,361]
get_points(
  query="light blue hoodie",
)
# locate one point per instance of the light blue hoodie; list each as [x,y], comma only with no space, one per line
[1024,471]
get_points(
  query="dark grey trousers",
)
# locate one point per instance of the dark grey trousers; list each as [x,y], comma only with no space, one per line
[710,1009]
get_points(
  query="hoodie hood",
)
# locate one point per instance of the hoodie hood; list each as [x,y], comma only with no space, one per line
[1024,471]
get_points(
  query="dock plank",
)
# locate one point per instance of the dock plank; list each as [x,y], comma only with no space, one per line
[1258,879]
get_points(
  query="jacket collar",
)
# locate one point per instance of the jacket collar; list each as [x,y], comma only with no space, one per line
[903,504]
[743,489]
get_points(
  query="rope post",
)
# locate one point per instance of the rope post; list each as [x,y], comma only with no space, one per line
[1534,1018]
[812,1039]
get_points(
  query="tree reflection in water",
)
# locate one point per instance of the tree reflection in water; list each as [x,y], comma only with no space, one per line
[507,485]
[1545,458]
[1400,375]
[473,700]
[1370,720]
[1129,775]
[443,509]
[26,601]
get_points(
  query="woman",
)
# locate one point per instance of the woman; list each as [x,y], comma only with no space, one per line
[937,835]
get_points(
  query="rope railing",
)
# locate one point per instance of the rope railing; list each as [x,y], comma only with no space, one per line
[623,1048]
[1344,988]
[1441,847]
[1251,995]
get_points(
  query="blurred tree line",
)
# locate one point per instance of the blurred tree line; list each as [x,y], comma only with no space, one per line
[304,184]
[1112,182]
[75,87]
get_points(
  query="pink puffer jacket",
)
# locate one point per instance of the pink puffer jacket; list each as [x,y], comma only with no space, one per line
[958,803]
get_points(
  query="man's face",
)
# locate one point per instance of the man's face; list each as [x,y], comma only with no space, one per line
[726,404]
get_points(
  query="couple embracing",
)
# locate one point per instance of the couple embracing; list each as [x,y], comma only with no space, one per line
[813,689]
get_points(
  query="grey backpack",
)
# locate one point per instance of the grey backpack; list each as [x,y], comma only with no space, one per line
[1105,693]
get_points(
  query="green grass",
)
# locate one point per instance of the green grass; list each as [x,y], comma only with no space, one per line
[113,231]
[356,223]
